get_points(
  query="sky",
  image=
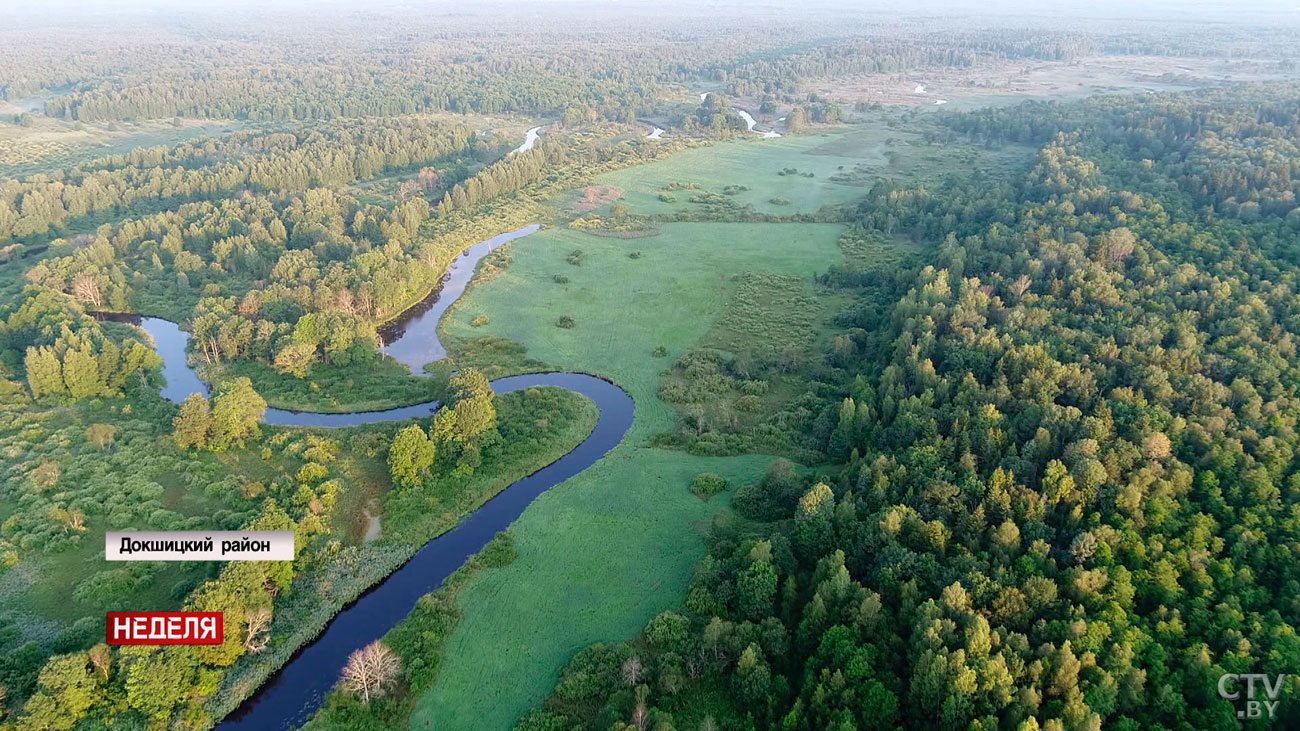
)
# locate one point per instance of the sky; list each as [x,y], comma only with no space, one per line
[1272,14]
[1092,8]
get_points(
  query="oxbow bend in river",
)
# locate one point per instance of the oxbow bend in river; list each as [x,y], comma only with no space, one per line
[293,693]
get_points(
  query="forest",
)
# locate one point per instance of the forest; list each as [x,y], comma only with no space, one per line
[1067,487]
[979,416]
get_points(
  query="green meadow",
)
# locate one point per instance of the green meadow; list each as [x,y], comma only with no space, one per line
[601,554]
[826,168]
[623,308]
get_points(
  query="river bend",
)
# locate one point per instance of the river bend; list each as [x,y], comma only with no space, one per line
[290,696]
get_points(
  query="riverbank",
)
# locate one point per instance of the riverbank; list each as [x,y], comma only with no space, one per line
[323,615]
[389,382]
[324,633]
[549,427]
[616,544]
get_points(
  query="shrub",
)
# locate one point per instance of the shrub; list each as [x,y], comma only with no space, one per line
[499,552]
[575,257]
[773,497]
[560,279]
[112,588]
[708,484]
[479,321]
[779,201]
[565,322]
[634,255]
[660,352]
[499,259]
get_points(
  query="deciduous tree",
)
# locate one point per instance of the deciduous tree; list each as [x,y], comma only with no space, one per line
[371,671]
[191,426]
[411,456]
[236,410]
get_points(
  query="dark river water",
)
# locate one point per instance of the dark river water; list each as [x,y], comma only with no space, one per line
[289,698]
[413,337]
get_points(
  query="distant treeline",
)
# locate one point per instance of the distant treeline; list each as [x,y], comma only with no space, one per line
[366,69]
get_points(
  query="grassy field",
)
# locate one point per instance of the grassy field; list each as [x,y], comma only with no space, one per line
[382,384]
[1007,81]
[754,163]
[877,150]
[605,551]
[598,557]
[50,144]
[623,308]
[37,591]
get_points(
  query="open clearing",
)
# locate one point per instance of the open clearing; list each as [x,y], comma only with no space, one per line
[1012,81]
[755,164]
[607,550]
[49,144]
[594,196]
[623,308]
[751,171]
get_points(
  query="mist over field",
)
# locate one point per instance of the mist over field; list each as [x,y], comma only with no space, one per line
[1230,11]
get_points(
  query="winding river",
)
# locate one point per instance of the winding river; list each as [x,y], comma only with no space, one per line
[750,122]
[749,118]
[530,140]
[290,696]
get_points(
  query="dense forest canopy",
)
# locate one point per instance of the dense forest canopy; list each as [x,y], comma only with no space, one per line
[531,58]
[1069,489]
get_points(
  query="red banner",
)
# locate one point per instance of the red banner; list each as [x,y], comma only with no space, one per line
[166,628]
